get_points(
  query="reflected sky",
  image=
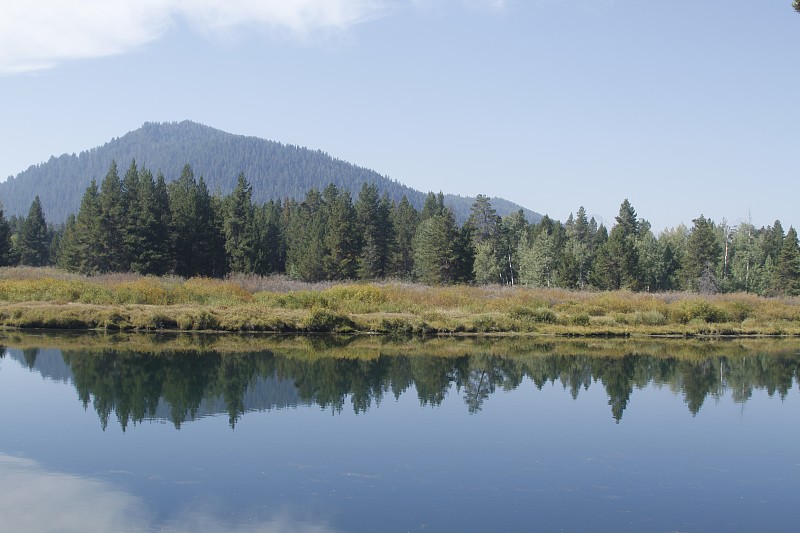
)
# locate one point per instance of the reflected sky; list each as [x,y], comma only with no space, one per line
[37,499]
[532,457]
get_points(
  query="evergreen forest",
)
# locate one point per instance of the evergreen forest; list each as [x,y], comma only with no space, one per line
[137,222]
[275,170]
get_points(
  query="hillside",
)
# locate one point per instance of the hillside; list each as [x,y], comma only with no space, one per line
[275,170]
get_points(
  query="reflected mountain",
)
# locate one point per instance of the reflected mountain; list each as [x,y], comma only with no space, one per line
[183,385]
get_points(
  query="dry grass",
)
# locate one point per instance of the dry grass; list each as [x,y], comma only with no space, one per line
[51,298]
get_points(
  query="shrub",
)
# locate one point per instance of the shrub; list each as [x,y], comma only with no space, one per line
[688,310]
[581,319]
[397,327]
[198,320]
[649,318]
[325,321]
[539,314]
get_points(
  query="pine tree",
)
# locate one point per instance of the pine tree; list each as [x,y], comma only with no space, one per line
[34,242]
[404,222]
[209,246]
[148,235]
[305,253]
[341,246]
[702,256]
[87,243]
[130,213]
[484,228]
[183,222]
[68,256]
[270,239]
[786,273]
[6,252]
[374,230]
[112,219]
[434,205]
[435,252]
[772,240]
[578,252]
[238,227]
[617,262]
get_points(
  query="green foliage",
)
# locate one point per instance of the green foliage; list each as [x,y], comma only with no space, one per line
[374,229]
[702,256]
[239,227]
[786,274]
[435,252]
[486,268]
[341,244]
[617,263]
[539,314]
[6,251]
[325,321]
[698,309]
[404,220]
[182,229]
[305,254]
[34,242]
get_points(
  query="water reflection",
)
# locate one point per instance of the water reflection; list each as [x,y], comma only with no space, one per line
[183,384]
[38,499]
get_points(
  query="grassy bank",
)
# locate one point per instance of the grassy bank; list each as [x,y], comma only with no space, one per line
[48,298]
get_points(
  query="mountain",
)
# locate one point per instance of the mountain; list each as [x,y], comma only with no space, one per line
[275,170]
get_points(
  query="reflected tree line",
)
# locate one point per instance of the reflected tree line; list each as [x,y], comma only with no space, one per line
[136,386]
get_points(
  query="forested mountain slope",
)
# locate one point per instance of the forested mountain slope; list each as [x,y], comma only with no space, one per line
[275,170]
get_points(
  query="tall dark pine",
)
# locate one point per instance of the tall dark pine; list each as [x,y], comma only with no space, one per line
[183,222]
[341,245]
[786,274]
[88,246]
[436,249]
[617,262]
[404,222]
[68,255]
[239,228]
[148,234]
[270,242]
[305,253]
[112,257]
[6,253]
[34,241]
[130,214]
[374,229]
[703,252]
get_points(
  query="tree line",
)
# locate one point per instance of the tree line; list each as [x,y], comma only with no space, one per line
[145,381]
[139,223]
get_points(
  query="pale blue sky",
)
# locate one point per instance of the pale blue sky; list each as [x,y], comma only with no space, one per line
[683,106]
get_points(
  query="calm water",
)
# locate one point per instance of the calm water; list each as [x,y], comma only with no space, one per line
[491,436]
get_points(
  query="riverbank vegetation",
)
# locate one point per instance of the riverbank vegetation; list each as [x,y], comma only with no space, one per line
[51,298]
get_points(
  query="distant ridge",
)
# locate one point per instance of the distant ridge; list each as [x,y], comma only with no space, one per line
[275,170]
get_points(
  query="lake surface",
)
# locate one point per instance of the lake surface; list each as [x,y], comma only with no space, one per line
[112,434]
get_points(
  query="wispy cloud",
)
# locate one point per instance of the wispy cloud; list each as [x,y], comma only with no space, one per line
[75,503]
[38,34]
[492,5]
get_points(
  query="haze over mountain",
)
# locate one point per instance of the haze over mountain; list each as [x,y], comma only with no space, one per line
[275,170]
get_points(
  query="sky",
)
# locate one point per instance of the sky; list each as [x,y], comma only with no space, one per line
[683,107]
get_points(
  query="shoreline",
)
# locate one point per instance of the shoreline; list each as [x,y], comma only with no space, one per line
[144,318]
[47,298]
